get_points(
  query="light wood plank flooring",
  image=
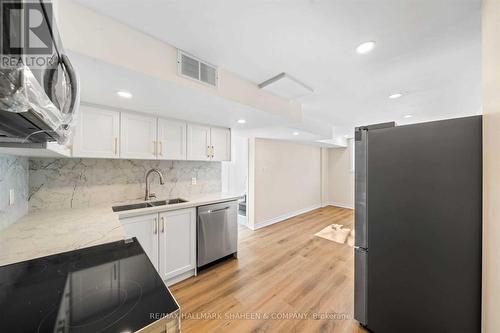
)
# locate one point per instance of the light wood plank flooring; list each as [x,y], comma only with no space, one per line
[282,271]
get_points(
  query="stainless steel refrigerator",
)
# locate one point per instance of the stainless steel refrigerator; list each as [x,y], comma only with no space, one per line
[418,226]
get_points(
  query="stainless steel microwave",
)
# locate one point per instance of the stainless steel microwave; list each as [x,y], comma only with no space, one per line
[39,88]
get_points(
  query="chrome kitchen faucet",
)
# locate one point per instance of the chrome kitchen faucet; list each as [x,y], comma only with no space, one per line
[162,182]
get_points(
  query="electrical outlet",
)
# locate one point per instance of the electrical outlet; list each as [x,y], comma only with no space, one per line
[11,196]
[193,181]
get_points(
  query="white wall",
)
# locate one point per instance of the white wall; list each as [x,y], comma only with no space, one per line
[235,172]
[341,176]
[285,180]
[491,159]
[325,171]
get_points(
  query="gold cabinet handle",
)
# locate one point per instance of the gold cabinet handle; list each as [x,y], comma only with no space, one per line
[155,226]
[208,151]
[115,146]
[162,224]
[213,151]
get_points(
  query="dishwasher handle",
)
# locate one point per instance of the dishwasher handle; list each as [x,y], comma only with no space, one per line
[216,210]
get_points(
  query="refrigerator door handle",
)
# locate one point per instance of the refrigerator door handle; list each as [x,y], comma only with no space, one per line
[360,188]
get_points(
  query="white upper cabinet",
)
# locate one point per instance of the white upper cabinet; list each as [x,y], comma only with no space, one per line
[138,136]
[220,143]
[208,143]
[171,139]
[198,142]
[102,133]
[97,133]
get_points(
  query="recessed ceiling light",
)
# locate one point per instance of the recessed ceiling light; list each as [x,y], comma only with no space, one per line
[408,116]
[242,121]
[124,94]
[365,47]
[394,96]
[295,133]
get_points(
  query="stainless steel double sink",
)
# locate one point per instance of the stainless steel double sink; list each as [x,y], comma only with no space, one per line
[148,204]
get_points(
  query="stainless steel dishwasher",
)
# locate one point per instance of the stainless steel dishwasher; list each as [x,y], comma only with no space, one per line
[217,231]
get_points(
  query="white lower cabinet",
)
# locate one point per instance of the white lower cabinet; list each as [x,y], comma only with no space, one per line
[145,229]
[178,242]
[169,240]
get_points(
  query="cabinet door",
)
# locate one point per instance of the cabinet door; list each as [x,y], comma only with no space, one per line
[171,139]
[198,142]
[97,133]
[177,242]
[221,144]
[145,229]
[138,136]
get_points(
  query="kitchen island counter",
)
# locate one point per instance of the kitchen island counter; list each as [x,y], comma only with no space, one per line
[111,287]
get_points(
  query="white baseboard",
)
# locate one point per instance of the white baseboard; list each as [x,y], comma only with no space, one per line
[285,216]
[180,277]
[341,205]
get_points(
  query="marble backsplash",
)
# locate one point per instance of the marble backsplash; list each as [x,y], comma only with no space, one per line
[76,183]
[13,175]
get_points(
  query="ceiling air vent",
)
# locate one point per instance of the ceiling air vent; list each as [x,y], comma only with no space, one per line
[196,69]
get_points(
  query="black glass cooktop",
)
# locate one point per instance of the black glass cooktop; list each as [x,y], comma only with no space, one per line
[106,288]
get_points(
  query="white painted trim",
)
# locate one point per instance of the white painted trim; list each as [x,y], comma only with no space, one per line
[284,217]
[341,205]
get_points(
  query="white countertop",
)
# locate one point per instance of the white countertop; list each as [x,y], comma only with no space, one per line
[50,232]
[200,200]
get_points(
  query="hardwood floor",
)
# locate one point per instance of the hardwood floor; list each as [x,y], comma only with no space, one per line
[284,280]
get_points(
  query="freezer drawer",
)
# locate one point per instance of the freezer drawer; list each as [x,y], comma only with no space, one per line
[217,228]
[360,285]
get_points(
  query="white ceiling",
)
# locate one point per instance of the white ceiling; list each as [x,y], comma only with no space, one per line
[429,50]
[100,81]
